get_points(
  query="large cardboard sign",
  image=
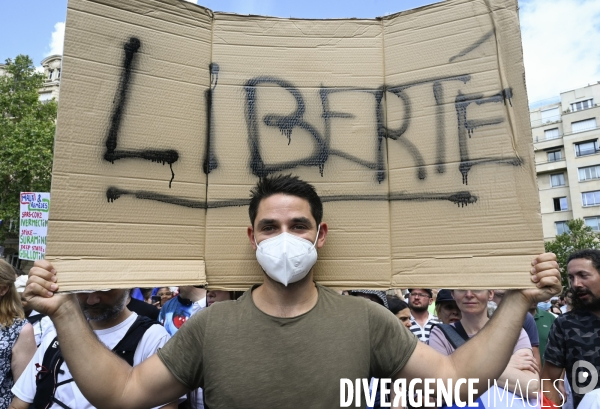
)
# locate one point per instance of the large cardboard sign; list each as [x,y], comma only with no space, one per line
[413,128]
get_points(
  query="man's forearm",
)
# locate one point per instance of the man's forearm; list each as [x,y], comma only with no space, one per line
[505,326]
[522,383]
[551,376]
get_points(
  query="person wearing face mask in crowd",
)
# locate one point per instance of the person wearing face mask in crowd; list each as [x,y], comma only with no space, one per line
[287,342]
[544,305]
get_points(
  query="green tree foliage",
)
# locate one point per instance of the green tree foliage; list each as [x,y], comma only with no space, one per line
[26,137]
[580,237]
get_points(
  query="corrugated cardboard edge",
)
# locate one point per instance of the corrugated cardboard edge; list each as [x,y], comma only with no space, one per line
[94,272]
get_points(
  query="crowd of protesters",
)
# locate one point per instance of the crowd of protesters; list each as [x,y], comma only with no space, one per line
[556,333]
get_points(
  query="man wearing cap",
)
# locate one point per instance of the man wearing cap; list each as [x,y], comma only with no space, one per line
[446,309]
[421,320]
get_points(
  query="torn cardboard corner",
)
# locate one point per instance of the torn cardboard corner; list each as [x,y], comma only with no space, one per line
[413,128]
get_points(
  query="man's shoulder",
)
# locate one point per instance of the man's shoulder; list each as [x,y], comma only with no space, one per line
[433,320]
[581,316]
[545,315]
[529,319]
[156,330]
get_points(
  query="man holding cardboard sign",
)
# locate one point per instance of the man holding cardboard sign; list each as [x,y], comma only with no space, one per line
[288,342]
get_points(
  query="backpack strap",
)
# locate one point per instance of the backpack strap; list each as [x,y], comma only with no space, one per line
[35,318]
[461,330]
[456,336]
[128,344]
[46,380]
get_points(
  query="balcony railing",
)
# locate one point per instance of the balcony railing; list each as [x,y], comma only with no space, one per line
[546,121]
[544,139]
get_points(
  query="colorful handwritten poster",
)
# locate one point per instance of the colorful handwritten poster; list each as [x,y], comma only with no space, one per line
[34,225]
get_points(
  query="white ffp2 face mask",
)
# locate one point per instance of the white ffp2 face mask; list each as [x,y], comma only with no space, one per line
[287,258]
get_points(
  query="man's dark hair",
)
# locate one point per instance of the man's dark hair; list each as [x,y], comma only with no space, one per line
[288,185]
[396,304]
[588,254]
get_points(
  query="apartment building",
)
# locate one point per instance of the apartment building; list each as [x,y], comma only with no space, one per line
[567,159]
[51,67]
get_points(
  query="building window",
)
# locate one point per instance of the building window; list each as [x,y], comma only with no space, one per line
[561,227]
[554,156]
[551,133]
[589,172]
[591,198]
[560,204]
[578,106]
[557,179]
[593,222]
[586,148]
[550,115]
[45,96]
[585,125]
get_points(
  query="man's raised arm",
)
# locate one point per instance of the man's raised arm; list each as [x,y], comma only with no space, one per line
[106,380]
[486,355]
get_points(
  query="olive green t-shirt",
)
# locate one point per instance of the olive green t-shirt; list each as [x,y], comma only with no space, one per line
[244,358]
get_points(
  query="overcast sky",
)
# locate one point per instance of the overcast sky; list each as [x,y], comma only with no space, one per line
[561,38]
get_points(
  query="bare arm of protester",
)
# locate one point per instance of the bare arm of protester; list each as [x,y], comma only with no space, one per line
[494,343]
[23,351]
[18,404]
[550,375]
[521,374]
[148,384]
[536,355]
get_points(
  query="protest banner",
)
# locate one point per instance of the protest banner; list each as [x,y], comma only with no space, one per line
[413,127]
[34,210]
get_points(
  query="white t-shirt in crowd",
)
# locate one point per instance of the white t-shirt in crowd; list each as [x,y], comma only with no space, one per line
[41,327]
[591,400]
[154,338]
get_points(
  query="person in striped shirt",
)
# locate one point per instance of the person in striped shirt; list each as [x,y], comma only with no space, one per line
[421,320]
